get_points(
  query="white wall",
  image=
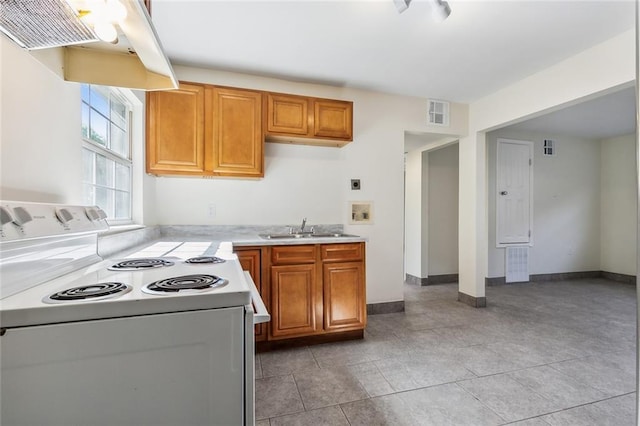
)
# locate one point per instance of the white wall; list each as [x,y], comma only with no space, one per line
[424,213]
[618,206]
[40,151]
[413,205]
[566,205]
[443,210]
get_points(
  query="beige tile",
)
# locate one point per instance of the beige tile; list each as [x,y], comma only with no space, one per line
[324,387]
[277,396]
[438,405]
[556,386]
[287,361]
[508,398]
[613,374]
[618,411]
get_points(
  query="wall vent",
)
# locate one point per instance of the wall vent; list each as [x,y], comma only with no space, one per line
[517,264]
[438,113]
[549,147]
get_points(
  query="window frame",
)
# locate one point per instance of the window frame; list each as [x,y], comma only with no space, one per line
[105,151]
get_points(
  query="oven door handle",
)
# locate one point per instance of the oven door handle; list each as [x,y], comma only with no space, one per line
[261,315]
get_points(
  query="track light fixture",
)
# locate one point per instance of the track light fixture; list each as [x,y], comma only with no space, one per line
[439,12]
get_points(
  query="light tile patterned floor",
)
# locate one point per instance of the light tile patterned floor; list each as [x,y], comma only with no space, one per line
[540,354]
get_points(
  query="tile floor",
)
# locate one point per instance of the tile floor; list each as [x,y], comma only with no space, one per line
[555,353]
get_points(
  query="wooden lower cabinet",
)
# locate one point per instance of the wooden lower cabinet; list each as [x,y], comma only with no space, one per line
[294,296]
[312,291]
[317,290]
[344,303]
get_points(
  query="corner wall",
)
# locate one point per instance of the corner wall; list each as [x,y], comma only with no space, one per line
[618,205]
[443,210]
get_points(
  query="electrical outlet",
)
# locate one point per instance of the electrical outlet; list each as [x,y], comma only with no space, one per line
[212,210]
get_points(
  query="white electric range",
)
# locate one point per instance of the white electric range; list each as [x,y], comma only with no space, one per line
[157,340]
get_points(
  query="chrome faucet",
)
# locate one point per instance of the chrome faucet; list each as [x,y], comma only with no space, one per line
[301,231]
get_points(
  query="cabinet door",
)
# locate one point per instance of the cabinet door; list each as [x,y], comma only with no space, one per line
[294,295]
[287,114]
[175,131]
[333,119]
[237,132]
[344,296]
[250,261]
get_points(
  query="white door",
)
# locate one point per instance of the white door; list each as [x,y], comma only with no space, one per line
[514,179]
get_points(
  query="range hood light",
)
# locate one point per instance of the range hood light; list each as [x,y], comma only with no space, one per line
[106,31]
[102,16]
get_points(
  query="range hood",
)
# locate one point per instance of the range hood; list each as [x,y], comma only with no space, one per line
[55,35]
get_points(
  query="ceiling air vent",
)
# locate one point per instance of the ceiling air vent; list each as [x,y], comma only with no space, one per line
[40,24]
[438,113]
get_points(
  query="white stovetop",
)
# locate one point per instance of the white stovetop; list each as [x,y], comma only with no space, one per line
[26,308]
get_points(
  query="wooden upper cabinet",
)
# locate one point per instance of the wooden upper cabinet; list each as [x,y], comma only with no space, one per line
[333,119]
[287,114]
[205,130]
[237,132]
[175,131]
[307,120]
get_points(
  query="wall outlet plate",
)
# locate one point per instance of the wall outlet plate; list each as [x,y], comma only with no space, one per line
[355,184]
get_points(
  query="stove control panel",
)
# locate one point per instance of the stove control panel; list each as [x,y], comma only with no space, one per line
[22,220]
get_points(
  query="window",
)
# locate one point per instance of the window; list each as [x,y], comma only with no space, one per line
[106,151]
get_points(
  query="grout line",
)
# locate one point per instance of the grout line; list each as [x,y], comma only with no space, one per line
[299,393]
[477,399]
[577,406]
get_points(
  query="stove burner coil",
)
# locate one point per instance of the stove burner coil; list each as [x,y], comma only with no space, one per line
[205,259]
[139,264]
[184,283]
[89,292]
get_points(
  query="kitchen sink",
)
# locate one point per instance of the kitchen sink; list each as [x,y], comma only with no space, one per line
[305,235]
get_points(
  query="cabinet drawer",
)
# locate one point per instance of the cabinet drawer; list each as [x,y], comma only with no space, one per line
[338,252]
[293,254]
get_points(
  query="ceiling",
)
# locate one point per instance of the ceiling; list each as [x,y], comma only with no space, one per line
[482,47]
[605,117]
